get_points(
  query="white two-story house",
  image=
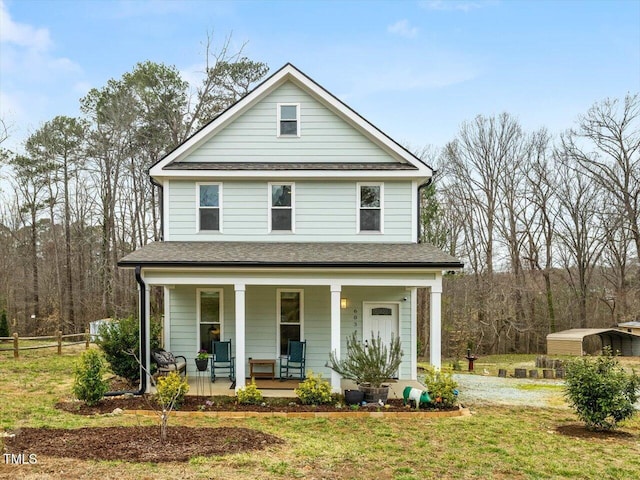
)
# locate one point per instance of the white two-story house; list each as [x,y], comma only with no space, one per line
[290,217]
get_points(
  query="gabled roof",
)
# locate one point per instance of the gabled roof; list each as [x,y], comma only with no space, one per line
[291,254]
[288,72]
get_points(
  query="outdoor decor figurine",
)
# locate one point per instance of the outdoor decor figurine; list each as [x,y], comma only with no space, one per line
[410,394]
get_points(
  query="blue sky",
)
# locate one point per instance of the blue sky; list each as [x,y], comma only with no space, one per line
[416,69]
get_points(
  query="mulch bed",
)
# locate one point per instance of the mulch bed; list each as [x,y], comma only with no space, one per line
[138,444]
[219,404]
[579,430]
[143,444]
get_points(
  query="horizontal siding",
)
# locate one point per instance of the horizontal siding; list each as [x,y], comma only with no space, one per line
[261,318]
[324,136]
[324,211]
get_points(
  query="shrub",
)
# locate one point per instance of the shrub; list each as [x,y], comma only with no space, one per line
[373,364]
[250,394]
[442,388]
[120,338]
[314,390]
[170,391]
[600,391]
[4,326]
[88,384]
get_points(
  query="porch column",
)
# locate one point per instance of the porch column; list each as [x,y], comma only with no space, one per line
[435,337]
[240,335]
[335,333]
[413,291]
[147,329]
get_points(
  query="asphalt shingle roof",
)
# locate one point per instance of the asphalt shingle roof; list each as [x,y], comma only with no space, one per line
[290,254]
[232,166]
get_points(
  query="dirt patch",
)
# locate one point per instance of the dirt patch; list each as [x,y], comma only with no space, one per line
[222,404]
[138,444]
[578,430]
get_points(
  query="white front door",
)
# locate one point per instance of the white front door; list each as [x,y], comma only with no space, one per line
[381,319]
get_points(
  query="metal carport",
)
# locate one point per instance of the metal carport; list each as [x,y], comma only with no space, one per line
[572,342]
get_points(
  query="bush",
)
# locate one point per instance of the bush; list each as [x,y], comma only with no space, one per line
[250,394]
[442,389]
[372,364]
[600,391]
[118,339]
[314,390]
[170,391]
[4,326]
[88,384]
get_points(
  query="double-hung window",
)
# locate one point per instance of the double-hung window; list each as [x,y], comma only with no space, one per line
[281,207]
[370,201]
[288,120]
[209,203]
[290,317]
[209,317]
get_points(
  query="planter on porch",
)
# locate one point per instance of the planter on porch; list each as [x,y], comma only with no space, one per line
[201,364]
[374,394]
[353,397]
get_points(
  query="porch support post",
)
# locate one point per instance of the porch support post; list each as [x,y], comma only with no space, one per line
[335,333]
[147,329]
[435,337]
[240,335]
[413,291]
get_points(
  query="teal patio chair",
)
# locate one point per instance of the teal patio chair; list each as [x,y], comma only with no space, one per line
[295,360]
[222,360]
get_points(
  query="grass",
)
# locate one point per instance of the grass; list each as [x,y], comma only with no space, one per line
[495,442]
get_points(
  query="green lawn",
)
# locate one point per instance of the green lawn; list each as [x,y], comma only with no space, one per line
[495,442]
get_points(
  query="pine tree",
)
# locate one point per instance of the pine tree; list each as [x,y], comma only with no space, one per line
[4,326]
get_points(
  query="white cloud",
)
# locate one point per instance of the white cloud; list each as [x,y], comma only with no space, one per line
[403,28]
[22,34]
[459,5]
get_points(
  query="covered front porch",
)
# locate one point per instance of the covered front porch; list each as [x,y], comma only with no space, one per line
[198,387]
[259,295]
[255,317]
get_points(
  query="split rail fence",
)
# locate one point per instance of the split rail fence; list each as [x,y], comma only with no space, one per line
[59,339]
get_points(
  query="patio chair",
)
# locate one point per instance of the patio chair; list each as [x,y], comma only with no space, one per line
[168,362]
[294,361]
[222,359]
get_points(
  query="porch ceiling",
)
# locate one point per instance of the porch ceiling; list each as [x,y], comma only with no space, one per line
[292,254]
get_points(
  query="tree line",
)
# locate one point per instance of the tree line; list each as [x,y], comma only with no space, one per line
[547,225]
[548,228]
[81,197]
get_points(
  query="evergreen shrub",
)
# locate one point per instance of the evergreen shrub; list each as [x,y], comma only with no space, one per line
[600,391]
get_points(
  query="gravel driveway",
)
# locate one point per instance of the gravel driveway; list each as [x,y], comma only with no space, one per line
[479,389]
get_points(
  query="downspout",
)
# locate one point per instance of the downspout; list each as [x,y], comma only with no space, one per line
[143,341]
[161,204]
[424,185]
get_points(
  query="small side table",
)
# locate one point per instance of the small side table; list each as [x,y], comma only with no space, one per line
[262,362]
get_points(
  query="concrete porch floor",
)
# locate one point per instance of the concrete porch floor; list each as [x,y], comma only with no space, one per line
[202,386]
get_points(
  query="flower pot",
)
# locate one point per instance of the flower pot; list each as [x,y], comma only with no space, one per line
[374,394]
[202,363]
[353,397]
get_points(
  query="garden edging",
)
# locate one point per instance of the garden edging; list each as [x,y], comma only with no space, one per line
[461,412]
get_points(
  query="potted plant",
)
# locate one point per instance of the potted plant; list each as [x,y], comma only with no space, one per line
[202,360]
[369,364]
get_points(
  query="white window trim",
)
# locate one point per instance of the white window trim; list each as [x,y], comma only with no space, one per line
[278,301]
[293,208]
[198,230]
[278,115]
[359,186]
[199,312]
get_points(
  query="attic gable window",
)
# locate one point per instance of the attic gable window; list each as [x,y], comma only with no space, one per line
[370,202]
[209,202]
[288,120]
